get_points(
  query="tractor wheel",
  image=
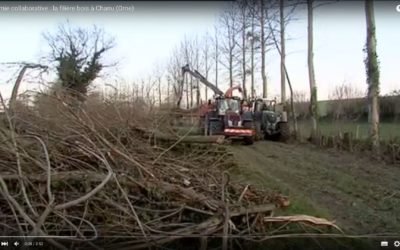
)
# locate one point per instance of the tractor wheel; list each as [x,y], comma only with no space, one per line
[202,125]
[259,134]
[248,140]
[253,125]
[214,127]
[284,131]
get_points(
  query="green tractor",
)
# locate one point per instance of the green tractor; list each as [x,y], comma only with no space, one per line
[270,120]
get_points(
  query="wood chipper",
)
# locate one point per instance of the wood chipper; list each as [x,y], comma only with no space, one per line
[224,114]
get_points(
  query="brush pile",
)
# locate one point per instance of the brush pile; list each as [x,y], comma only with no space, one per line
[90,173]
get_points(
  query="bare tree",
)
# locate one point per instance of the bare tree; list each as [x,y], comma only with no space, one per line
[253,37]
[187,51]
[196,48]
[228,46]
[187,91]
[345,91]
[158,74]
[175,77]
[345,103]
[300,97]
[311,74]
[252,40]
[206,59]
[243,8]
[24,67]
[168,79]
[283,67]
[216,56]
[263,44]
[372,68]
[301,102]
[150,91]
[283,50]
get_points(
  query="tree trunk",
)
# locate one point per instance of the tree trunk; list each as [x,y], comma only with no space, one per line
[191,92]
[206,65]
[197,80]
[244,51]
[262,40]
[231,42]
[372,68]
[142,90]
[216,58]
[14,93]
[283,52]
[311,74]
[187,92]
[168,86]
[252,55]
[286,74]
[159,91]
[231,70]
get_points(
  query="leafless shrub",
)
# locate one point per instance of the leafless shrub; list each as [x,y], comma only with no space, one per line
[348,102]
[301,103]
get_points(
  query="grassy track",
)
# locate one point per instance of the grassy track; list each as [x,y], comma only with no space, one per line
[362,196]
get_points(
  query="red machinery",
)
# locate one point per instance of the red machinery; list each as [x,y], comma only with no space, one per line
[224,115]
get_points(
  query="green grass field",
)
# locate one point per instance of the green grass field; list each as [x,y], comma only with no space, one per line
[387,130]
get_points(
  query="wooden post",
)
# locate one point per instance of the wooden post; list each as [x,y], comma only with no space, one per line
[348,141]
[330,142]
[323,141]
[203,243]
[357,131]
[336,141]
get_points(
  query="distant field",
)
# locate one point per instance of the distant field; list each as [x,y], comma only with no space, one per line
[387,130]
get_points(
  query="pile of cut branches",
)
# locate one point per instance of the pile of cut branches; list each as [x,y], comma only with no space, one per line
[91,173]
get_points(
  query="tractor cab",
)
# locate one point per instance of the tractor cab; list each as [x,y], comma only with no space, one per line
[228,104]
[258,105]
[262,104]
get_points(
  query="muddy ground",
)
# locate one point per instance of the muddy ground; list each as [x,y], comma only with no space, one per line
[360,194]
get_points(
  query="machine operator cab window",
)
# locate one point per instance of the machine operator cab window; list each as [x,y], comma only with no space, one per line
[265,104]
[259,105]
[228,104]
[234,105]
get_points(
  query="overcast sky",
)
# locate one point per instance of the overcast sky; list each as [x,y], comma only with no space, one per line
[146,36]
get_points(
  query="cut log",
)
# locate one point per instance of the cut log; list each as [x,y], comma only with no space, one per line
[302,218]
[263,208]
[219,139]
[188,194]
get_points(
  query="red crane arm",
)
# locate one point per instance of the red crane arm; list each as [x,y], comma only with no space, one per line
[228,93]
